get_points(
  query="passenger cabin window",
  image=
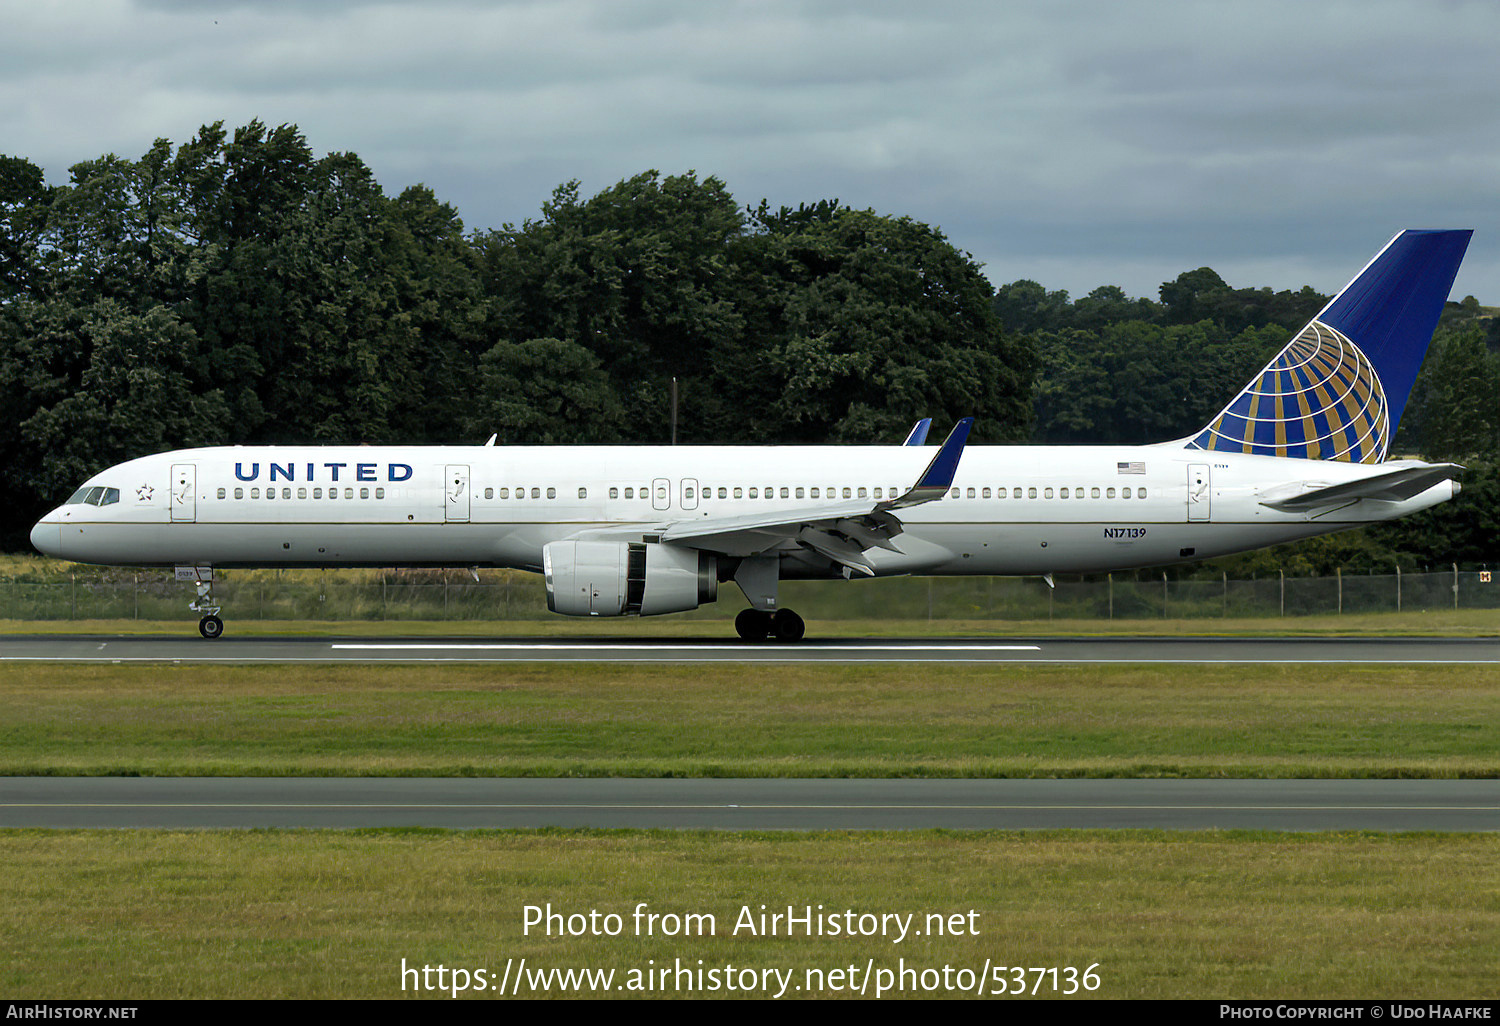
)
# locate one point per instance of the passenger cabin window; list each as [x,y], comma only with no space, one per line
[1125,492]
[614,493]
[536,493]
[489,493]
[630,493]
[1140,493]
[551,493]
[221,493]
[1064,494]
[723,492]
[301,493]
[239,493]
[583,493]
[380,493]
[739,493]
[1109,493]
[364,493]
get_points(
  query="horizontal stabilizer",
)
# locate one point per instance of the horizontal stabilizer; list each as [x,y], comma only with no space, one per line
[1392,486]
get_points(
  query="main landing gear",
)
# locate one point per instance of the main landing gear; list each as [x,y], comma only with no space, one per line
[757,625]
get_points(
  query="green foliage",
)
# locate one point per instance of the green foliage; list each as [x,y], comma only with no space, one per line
[241,288]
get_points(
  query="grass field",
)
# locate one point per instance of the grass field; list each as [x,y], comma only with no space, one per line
[148,914]
[746,721]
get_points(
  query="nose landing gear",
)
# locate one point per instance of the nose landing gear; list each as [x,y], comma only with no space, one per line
[210,626]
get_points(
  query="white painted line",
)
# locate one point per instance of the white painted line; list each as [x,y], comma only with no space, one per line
[674,647]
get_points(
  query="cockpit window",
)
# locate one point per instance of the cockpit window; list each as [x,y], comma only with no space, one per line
[98,495]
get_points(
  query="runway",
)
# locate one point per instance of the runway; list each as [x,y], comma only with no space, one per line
[274,649]
[735,804]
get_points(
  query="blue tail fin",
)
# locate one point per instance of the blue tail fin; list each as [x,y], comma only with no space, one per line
[1336,392]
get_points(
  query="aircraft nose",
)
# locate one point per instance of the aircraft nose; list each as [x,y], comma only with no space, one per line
[46,537]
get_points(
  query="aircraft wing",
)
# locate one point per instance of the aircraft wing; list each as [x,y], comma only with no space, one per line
[841,531]
[1393,485]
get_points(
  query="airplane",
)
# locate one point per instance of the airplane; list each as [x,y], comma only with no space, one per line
[644,530]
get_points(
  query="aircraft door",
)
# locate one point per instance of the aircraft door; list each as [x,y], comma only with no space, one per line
[1200,492]
[689,493]
[456,503]
[184,492]
[661,493]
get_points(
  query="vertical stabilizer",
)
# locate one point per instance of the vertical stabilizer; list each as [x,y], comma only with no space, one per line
[1337,391]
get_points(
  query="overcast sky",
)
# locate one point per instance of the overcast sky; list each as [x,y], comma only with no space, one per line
[1075,143]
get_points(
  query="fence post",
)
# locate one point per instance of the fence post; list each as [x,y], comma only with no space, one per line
[136,592]
[1340,572]
[1111,596]
[1283,591]
[1163,594]
[929,600]
[1398,587]
[73,614]
[1225,574]
[1455,586]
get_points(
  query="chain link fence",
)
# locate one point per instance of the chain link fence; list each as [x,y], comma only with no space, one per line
[106,594]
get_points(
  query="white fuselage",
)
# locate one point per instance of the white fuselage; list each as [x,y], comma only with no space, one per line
[1012,510]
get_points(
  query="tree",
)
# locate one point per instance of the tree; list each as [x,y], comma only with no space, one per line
[544,391]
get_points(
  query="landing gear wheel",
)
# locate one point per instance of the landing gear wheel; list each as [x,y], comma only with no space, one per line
[752,624]
[210,627]
[787,626]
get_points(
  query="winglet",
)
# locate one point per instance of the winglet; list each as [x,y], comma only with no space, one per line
[918,434]
[936,479]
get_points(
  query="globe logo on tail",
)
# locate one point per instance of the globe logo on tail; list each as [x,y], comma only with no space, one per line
[1319,399]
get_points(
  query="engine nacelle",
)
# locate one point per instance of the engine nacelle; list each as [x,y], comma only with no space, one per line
[605,578]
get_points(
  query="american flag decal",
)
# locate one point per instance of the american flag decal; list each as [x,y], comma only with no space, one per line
[1131,468]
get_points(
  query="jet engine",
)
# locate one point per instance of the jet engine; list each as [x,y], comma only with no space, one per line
[605,578]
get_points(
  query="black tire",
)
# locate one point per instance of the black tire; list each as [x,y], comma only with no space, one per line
[752,624]
[210,627]
[788,626]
